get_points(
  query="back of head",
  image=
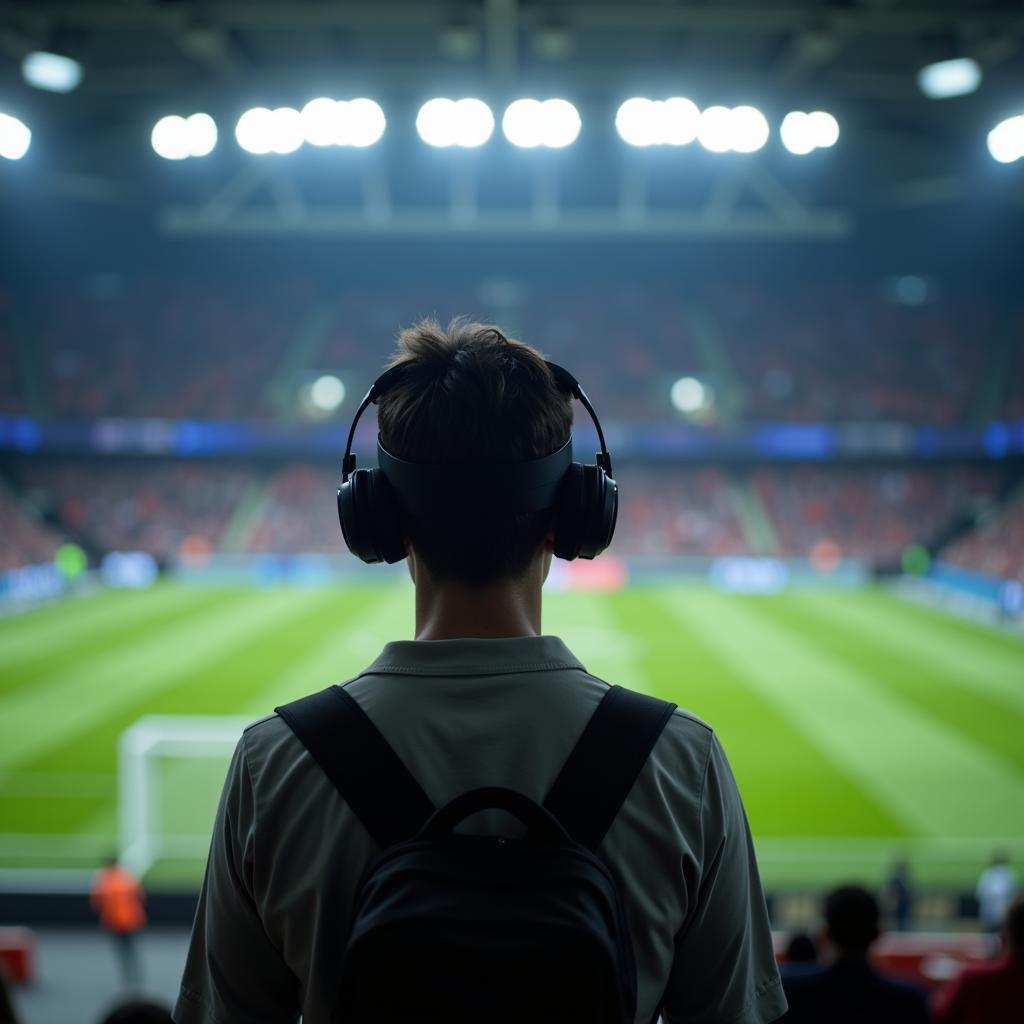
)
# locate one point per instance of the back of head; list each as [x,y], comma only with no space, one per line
[851,914]
[1014,927]
[469,396]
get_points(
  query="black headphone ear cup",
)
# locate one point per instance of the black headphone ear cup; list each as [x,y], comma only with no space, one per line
[369,516]
[587,510]
[387,518]
[569,514]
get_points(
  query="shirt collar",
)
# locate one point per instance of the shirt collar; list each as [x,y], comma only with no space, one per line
[473,657]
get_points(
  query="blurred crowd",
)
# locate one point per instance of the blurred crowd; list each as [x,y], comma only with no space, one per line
[176,509]
[820,353]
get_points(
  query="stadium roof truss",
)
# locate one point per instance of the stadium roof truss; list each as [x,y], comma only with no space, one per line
[145,59]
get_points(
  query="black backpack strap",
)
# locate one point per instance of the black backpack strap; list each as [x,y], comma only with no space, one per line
[354,755]
[604,764]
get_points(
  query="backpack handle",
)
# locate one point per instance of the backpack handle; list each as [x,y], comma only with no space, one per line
[541,824]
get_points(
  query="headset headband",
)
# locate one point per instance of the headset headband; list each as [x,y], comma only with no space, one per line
[430,490]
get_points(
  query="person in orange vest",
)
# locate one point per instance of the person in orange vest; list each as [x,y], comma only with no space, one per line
[118,898]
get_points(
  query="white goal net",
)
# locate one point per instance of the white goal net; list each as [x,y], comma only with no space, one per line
[170,772]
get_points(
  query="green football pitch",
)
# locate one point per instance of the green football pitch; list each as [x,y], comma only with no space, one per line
[861,727]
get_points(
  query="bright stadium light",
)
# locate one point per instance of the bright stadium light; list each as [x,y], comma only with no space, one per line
[270,131]
[644,122]
[529,123]
[363,122]
[443,122]
[946,78]
[177,138]
[51,71]
[801,133]
[327,393]
[824,128]
[327,122]
[321,122]
[1006,140]
[15,137]
[749,129]
[715,131]
[688,395]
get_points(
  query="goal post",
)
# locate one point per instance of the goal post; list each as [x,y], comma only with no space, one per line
[146,751]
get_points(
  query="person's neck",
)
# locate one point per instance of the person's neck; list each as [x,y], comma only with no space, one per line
[451,611]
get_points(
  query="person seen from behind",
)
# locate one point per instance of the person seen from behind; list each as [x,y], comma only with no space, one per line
[989,993]
[118,898]
[849,990]
[479,697]
[995,891]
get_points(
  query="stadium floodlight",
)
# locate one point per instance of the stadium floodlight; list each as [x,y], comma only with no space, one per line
[327,393]
[326,122]
[263,131]
[177,138]
[824,128]
[688,395]
[1006,140]
[715,131]
[530,123]
[51,71]
[749,129]
[444,122]
[645,122]
[15,137]
[321,122]
[946,78]
[363,122]
[802,133]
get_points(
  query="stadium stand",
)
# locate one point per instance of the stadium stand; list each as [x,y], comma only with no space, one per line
[997,546]
[182,347]
[24,540]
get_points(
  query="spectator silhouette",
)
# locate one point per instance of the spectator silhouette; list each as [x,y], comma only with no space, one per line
[992,993]
[118,899]
[995,891]
[849,989]
[138,1012]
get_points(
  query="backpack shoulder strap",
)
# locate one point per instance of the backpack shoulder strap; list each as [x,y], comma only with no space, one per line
[354,755]
[595,781]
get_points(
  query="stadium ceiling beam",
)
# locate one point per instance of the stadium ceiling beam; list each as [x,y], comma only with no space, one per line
[751,203]
[742,18]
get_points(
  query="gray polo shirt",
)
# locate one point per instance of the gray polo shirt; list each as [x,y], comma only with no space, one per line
[287,853]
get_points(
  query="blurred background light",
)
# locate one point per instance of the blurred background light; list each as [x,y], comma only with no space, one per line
[947,78]
[715,130]
[321,122]
[645,122]
[801,133]
[51,71]
[748,129]
[177,138]
[688,395]
[327,392]
[363,122]
[1006,140]
[270,131]
[15,137]
[553,123]
[444,122]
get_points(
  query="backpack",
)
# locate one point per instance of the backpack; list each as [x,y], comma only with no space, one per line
[469,928]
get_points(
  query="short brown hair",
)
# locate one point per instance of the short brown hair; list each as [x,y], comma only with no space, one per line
[470,395]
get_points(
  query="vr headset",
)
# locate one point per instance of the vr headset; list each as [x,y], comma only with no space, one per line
[582,497]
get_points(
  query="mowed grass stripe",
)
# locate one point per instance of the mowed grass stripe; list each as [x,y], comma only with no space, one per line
[224,684]
[38,720]
[789,787]
[927,775]
[149,615]
[834,625]
[975,661]
[353,635]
